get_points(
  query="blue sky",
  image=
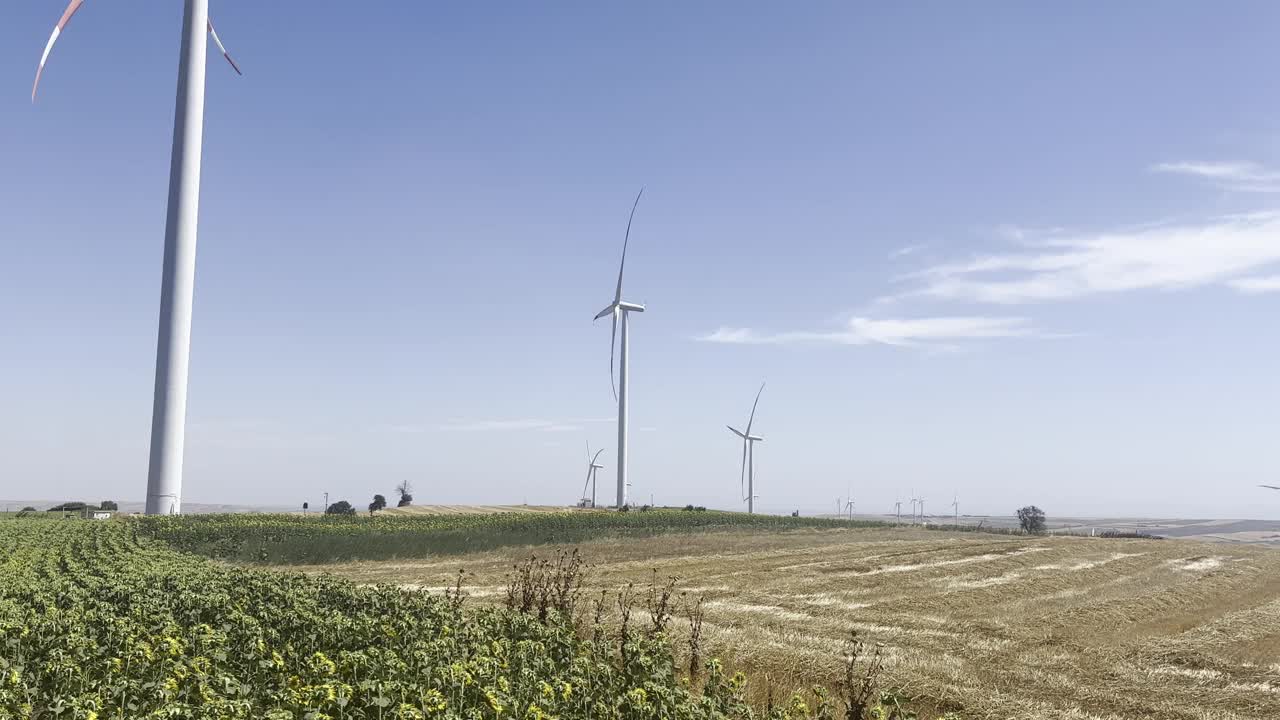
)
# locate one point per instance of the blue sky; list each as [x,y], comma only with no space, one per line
[1019,253]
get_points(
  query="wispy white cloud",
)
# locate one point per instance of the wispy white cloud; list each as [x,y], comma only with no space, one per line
[905,251]
[1167,256]
[1231,175]
[922,332]
[1257,284]
[503,425]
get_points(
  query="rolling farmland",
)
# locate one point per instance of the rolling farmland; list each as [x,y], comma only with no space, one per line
[99,621]
[990,626]
[119,619]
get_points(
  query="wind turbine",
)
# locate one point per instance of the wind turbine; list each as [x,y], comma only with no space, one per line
[915,501]
[921,500]
[848,506]
[748,454]
[621,309]
[173,347]
[897,510]
[592,467]
[955,507]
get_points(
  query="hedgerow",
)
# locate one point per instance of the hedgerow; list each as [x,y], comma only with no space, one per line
[289,539]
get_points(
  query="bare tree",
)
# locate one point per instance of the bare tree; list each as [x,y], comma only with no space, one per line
[406,493]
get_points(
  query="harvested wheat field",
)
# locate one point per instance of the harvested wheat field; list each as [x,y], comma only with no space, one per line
[989,626]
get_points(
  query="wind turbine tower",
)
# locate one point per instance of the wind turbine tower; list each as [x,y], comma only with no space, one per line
[592,467]
[621,311]
[173,347]
[748,454]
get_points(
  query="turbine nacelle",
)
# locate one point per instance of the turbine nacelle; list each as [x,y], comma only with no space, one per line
[614,308]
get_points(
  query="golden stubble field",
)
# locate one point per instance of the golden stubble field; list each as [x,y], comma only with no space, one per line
[991,626]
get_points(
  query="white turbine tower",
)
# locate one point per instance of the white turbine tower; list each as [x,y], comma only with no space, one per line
[915,502]
[897,510]
[955,508]
[748,455]
[592,467]
[617,308]
[921,501]
[173,347]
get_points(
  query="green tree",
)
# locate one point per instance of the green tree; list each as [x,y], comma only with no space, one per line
[109,505]
[342,507]
[1031,520]
[378,503]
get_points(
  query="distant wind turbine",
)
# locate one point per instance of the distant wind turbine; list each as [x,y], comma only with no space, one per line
[915,502]
[848,506]
[621,310]
[922,508]
[173,348]
[748,454]
[897,510]
[592,467]
[955,507]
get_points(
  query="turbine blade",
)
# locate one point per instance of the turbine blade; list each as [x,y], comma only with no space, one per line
[753,409]
[217,41]
[613,340]
[606,311]
[737,432]
[57,30]
[617,296]
[1273,487]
